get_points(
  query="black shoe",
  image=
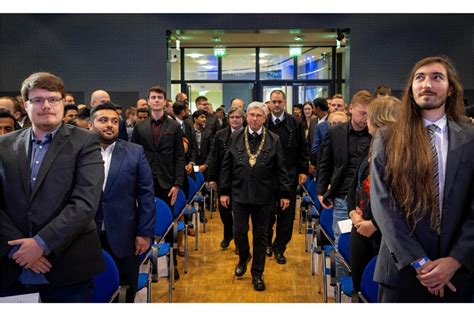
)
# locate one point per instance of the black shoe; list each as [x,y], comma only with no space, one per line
[202,219]
[269,251]
[280,258]
[225,243]
[258,283]
[176,274]
[241,267]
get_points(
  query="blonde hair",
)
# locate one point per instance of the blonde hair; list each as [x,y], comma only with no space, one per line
[383,111]
[334,114]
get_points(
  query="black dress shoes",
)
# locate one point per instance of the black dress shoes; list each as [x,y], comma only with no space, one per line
[176,274]
[280,258]
[241,267]
[268,251]
[225,243]
[258,283]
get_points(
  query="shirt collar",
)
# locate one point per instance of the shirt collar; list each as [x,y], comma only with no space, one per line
[234,130]
[259,132]
[441,123]
[281,117]
[48,137]
[109,148]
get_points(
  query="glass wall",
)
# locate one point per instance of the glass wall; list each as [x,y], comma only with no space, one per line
[239,64]
[315,63]
[212,91]
[276,64]
[200,64]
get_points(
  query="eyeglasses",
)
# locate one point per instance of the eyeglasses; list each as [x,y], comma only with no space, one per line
[40,100]
[277,101]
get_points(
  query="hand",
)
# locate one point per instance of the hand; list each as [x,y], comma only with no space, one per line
[329,205]
[212,185]
[141,244]
[28,253]
[365,228]
[355,216]
[225,200]
[284,203]
[302,178]
[189,168]
[173,193]
[438,273]
[202,168]
[42,265]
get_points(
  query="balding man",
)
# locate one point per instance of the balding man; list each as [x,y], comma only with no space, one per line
[182,97]
[236,102]
[142,103]
[99,97]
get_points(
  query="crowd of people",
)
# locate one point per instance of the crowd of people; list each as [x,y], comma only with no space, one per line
[79,178]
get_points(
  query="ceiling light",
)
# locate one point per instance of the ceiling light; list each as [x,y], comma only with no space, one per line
[216,39]
[194,55]
[202,62]
[298,38]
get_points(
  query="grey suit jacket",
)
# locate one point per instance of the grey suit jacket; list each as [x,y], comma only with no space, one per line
[399,247]
[60,208]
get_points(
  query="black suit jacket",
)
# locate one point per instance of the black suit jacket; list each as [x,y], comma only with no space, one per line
[399,247]
[294,145]
[334,160]
[216,157]
[60,208]
[166,159]
[200,154]
[127,205]
[259,184]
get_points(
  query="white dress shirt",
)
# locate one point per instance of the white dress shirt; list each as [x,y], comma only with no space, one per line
[107,158]
[441,144]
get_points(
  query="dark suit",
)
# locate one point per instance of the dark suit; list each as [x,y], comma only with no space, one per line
[253,191]
[399,247]
[60,208]
[200,154]
[296,158]
[216,158]
[166,158]
[320,132]
[127,209]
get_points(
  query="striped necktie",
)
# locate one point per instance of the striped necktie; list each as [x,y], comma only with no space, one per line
[436,215]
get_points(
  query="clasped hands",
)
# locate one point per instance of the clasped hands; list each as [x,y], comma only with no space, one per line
[437,274]
[225,201]
[30,255]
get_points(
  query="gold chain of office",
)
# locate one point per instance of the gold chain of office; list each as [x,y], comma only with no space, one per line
[253,157]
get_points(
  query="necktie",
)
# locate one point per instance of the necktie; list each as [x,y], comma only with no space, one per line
[182,127]
[435,216]
[277,121]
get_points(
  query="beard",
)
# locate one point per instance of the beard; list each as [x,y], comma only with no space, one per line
[108,139]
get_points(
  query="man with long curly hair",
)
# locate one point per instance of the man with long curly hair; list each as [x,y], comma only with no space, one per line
[422,192]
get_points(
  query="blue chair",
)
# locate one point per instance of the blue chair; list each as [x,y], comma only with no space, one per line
[192,207]
[163,226]
[345,285]
[144,278]
[305,203]
[180,225]
[107,283]
[200,199]
[368,287]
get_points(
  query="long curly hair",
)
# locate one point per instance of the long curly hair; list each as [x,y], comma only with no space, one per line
[409,159]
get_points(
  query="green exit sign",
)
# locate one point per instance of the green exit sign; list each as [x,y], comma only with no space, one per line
[220,51]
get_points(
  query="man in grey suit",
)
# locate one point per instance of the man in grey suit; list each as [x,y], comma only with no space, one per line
[51,177]
[422,192]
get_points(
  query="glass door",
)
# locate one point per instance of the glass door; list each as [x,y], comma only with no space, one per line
[266,90]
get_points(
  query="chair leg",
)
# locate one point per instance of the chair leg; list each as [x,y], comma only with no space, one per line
[171,277]
[186,249]
[211,201]
[196,227]
[325,285]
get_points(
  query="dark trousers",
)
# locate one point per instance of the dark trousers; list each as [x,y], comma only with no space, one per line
[128,268]
[419,294]
[163,195]
[76,293]
[259,215]
[362,250]
[284,225]
[228,221]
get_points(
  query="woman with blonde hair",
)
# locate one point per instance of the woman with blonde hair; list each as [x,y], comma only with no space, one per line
[365,235]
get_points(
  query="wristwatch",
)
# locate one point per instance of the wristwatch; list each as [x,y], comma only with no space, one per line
[420,263]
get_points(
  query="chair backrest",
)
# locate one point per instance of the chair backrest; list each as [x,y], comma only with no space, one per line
[164,217]
[106,283]
[179,204]
[313,195]
[199,179]
[344,246]
[191,189]
[326,222]
[308,181]
[368,287]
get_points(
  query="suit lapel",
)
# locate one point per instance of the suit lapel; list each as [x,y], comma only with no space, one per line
[344,143]
[162,131]
[22,150]
[54,148]
[118,157]
[455,140]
